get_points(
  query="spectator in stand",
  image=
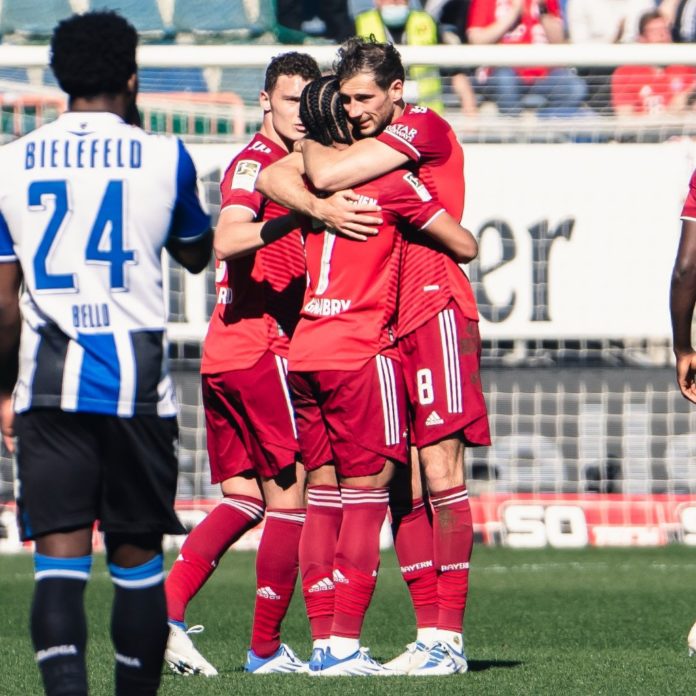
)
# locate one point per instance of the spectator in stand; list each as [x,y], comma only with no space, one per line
[603,22]
[649,89]
[452,18]
[553,91]
[334,14]
[396,22]
[681,16]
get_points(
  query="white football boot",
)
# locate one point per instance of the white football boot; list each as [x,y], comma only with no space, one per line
[182,656]
[359,664]
[315,662]
[691,641]
[283,661]
[414,656]
[443,659]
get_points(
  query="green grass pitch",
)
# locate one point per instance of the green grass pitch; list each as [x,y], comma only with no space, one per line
[592,621]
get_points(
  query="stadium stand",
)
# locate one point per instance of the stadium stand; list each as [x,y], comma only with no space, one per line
[229,19]
[246,82]
[32,19]
[172,80]
[144,15]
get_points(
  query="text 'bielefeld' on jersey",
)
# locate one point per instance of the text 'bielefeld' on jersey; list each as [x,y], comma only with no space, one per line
[350,302]
[258,295]
[430,278]
[87,204]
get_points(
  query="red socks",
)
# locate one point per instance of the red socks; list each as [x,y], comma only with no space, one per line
[357,557]
[276,573]
[413,543]
[317,551]
[453,535]
[204,546]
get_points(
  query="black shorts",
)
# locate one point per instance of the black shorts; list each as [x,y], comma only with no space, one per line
[75,468]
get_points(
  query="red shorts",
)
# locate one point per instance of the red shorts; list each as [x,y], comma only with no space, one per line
[441,361]
[355,418]
[249,420]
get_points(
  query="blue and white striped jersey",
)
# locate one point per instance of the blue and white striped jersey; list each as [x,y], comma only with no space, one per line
[86,205]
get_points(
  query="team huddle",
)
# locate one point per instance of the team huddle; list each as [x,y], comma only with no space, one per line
[340,371]
[344,330]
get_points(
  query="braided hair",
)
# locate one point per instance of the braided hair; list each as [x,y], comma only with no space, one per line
[322,112]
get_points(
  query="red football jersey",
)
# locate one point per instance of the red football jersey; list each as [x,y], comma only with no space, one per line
[650,89]
[350,302]
[258,296]
[528,30]
[689,210]
[430,278]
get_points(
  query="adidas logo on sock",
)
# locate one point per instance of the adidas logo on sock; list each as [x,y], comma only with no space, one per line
[267,593]
[434,419]
[338,576]
[322,586]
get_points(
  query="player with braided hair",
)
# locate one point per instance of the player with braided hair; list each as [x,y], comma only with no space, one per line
[322,113]
[348,391]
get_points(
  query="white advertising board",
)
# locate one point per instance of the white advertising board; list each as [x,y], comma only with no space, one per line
[575,240]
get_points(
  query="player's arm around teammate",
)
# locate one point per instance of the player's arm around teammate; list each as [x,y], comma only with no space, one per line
[237,233]
[284,183]
[349,397]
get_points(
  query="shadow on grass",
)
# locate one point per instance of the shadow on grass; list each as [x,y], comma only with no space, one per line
[483,665]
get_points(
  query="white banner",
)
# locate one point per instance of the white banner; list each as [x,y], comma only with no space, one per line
[576,240]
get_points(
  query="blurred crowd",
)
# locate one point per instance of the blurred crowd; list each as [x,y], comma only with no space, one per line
[626,91]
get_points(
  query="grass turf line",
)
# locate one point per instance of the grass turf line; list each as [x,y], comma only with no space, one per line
[591,621]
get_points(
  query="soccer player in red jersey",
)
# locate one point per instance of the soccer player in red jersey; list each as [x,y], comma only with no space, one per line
[438,334]
[682,303]
[250,431]
[249,421]
[347,387]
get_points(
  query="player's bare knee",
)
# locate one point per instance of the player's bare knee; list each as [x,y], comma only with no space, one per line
[443,464]
[244,484]
[69,544]
[129,550]
[323,476]
[283,493]
[378,480]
